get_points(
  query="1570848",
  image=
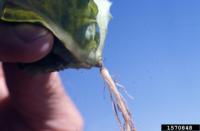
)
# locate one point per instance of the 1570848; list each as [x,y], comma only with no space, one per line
[181,127]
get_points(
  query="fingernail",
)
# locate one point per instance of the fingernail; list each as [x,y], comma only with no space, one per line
[28,32]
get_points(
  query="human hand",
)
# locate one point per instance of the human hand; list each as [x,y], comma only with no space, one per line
[31,102]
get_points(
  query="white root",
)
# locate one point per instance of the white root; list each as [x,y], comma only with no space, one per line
[118,103]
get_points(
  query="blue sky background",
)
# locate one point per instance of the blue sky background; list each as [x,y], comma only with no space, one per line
[153,48]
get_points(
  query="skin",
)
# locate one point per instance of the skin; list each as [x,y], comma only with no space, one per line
[31,102]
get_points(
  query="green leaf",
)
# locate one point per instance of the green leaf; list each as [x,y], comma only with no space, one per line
[80,27]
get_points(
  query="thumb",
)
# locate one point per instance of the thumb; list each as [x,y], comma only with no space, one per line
[24,42]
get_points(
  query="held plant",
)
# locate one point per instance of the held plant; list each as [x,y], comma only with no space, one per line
[80,28]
